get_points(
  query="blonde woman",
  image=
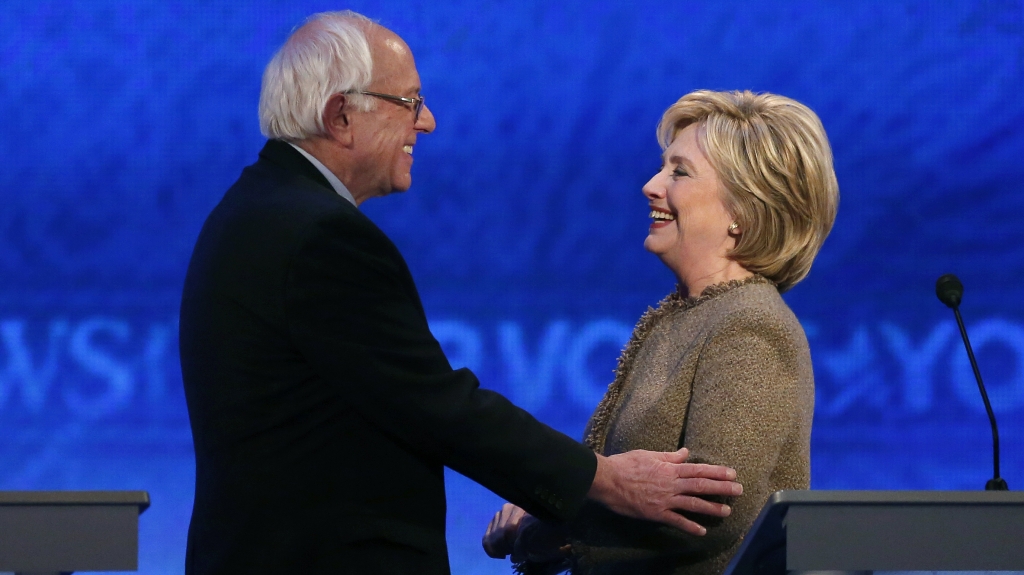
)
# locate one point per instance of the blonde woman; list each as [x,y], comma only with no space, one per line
[743,202]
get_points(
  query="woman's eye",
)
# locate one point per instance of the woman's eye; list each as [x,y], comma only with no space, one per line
[679,173]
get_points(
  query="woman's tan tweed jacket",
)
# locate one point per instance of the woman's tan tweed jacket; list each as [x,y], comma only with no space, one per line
[727,375]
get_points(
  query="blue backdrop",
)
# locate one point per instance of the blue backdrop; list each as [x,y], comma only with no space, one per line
[124,122]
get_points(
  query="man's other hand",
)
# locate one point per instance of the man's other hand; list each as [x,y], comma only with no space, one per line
[500,538]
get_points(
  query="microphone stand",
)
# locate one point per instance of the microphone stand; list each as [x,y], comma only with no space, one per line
[949,290]
[997,483]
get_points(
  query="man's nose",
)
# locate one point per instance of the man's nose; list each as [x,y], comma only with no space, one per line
[426,123]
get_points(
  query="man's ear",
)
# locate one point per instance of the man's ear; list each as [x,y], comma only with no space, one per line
[337,121]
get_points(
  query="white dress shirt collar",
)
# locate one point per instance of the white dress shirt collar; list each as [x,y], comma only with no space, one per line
[334,181]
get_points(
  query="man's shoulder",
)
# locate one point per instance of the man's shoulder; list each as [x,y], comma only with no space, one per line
[272,209]
[268,189]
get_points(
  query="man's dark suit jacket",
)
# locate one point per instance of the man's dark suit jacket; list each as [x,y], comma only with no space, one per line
[322,408]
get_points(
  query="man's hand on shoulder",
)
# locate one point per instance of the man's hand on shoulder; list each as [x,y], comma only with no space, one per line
[655,486]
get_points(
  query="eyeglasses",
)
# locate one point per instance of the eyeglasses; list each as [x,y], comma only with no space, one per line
[417,103]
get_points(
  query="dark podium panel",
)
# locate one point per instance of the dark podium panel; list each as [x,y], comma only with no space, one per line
[885,531]
[67,531]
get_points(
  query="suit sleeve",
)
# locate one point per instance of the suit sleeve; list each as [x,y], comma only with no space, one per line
[354,313]
[751,403]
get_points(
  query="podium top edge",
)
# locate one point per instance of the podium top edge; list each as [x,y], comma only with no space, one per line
[829,497]
[137,498]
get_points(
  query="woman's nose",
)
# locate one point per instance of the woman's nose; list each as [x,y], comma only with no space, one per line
[652,190]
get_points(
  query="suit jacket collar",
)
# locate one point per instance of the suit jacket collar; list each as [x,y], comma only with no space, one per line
[282,154]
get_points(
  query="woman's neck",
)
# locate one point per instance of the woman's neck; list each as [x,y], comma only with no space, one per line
[693,281]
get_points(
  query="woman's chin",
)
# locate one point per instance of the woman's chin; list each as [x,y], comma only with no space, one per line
[655,246]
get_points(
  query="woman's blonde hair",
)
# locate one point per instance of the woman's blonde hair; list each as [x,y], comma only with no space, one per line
[773,158]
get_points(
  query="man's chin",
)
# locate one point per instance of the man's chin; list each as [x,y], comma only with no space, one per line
[394,188]
[401,185]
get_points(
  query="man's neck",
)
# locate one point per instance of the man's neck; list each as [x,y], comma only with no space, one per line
[317,155]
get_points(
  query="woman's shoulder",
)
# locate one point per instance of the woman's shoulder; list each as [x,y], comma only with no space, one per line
[756,345]
[757,302]
[756,312]
[752,303]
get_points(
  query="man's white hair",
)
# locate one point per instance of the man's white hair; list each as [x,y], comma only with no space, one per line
[328,54]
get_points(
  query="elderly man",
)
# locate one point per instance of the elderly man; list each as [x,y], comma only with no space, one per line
[323,411]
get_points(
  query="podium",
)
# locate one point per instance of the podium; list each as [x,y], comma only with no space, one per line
[58,532]
[884,531]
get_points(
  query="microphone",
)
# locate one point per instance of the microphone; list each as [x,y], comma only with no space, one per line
[950,291]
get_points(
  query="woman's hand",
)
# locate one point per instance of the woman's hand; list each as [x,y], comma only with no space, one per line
[500,538]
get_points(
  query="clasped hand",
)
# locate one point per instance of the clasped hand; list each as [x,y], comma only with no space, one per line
[641,484]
